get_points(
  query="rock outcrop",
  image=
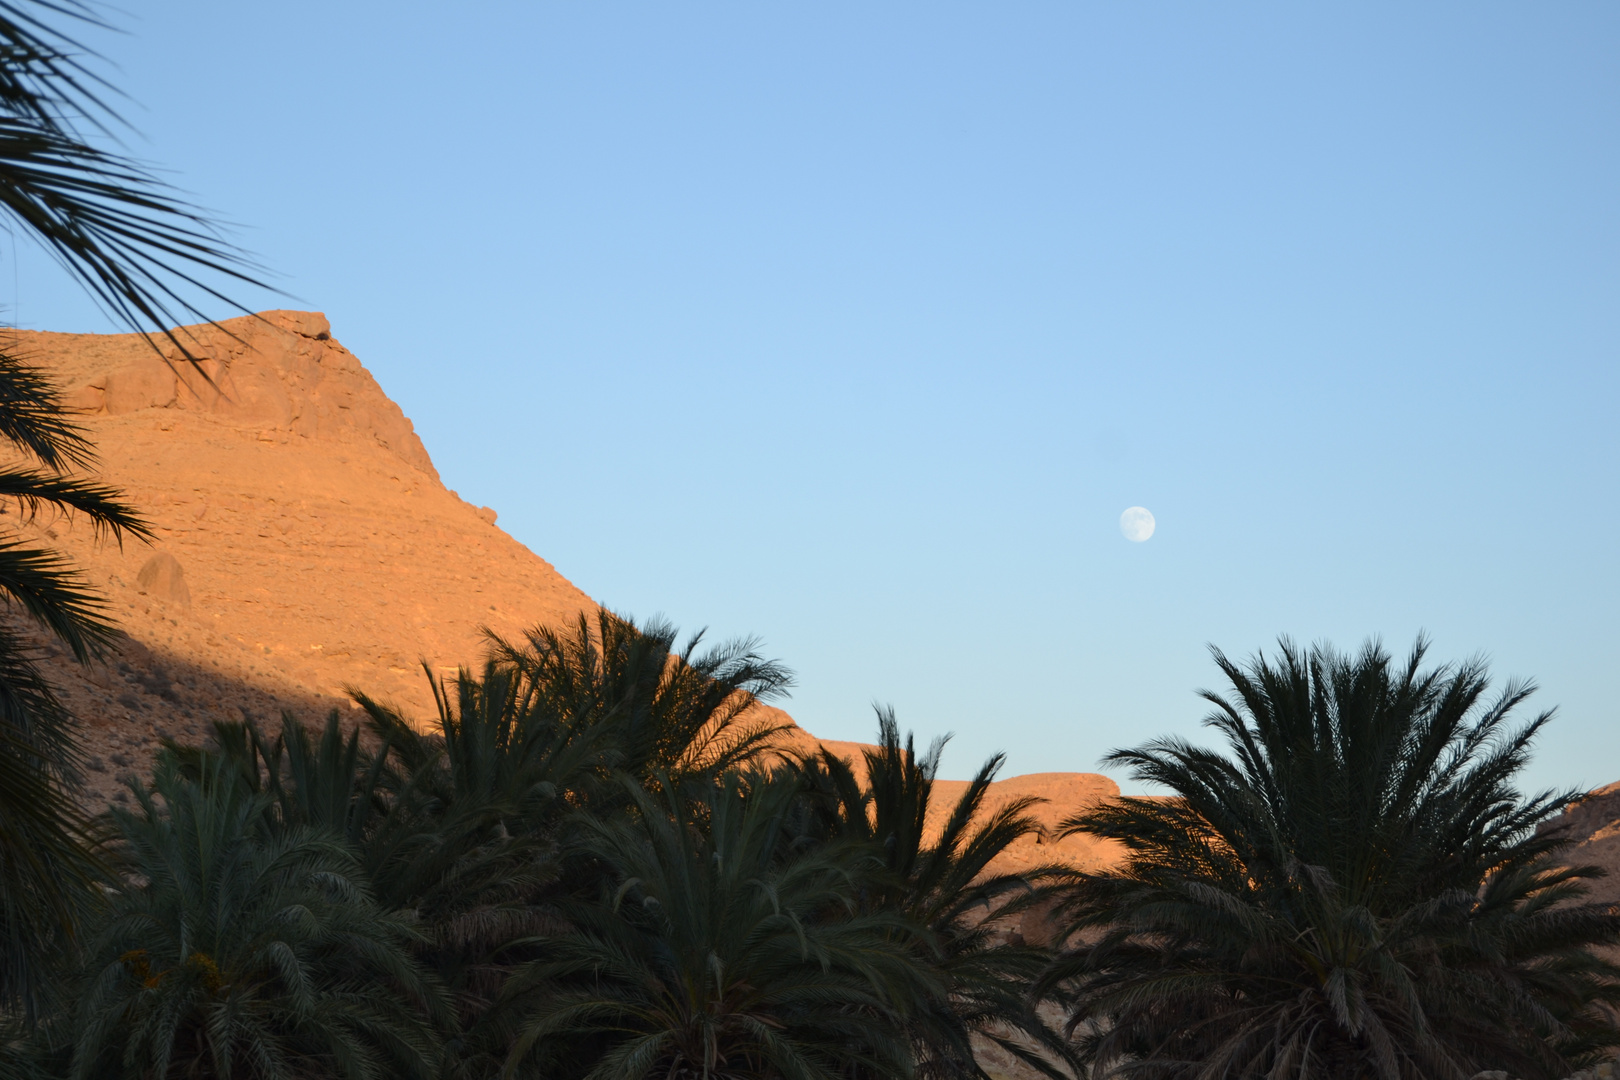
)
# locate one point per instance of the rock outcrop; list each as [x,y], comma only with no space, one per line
[1594,824]
[277,372]
[163,579]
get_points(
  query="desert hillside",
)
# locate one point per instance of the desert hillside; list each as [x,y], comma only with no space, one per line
[1595,824]
[304,541]
[305,545]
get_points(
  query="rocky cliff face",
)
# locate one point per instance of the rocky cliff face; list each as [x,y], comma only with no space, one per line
[279,372]
[305,544]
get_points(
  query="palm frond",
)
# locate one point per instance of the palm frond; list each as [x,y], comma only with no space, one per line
[35,489]
[33,419]
[53,594]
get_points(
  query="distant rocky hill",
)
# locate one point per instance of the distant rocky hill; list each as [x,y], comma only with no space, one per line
[1594,823]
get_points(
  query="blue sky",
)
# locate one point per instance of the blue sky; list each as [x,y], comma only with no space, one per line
[857,326]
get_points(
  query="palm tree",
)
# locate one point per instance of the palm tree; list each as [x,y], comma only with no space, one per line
[1354,888]
[542,732]
[673,711]
[469,839]
[944,883]
[140,252]
[135,247]
[550,721]
[237,949]
[43,865]
[459,827]
[717,949]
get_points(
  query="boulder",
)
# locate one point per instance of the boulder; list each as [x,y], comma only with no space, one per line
[163,578]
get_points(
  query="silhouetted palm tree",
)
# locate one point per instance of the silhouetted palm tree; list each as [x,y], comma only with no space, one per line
[43,867]
[141,253]
[944,883]
[469,841]
[673,711]
[1353,889]
[565,712]
[457,824]
[136,247]
[716,950]
[542,732]
[238,949]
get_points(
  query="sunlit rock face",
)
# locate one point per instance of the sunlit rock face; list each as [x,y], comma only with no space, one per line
[305,545]
[304,542]
[1594,824]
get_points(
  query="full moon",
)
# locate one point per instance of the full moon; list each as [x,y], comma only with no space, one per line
[1137,524]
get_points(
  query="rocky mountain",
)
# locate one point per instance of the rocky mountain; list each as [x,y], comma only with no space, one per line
[1594,822]
[305,545]
[304,542]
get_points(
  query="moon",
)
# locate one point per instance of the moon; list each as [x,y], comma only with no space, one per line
[1137,524]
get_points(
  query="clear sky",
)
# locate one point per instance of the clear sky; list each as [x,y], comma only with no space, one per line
[856,326]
